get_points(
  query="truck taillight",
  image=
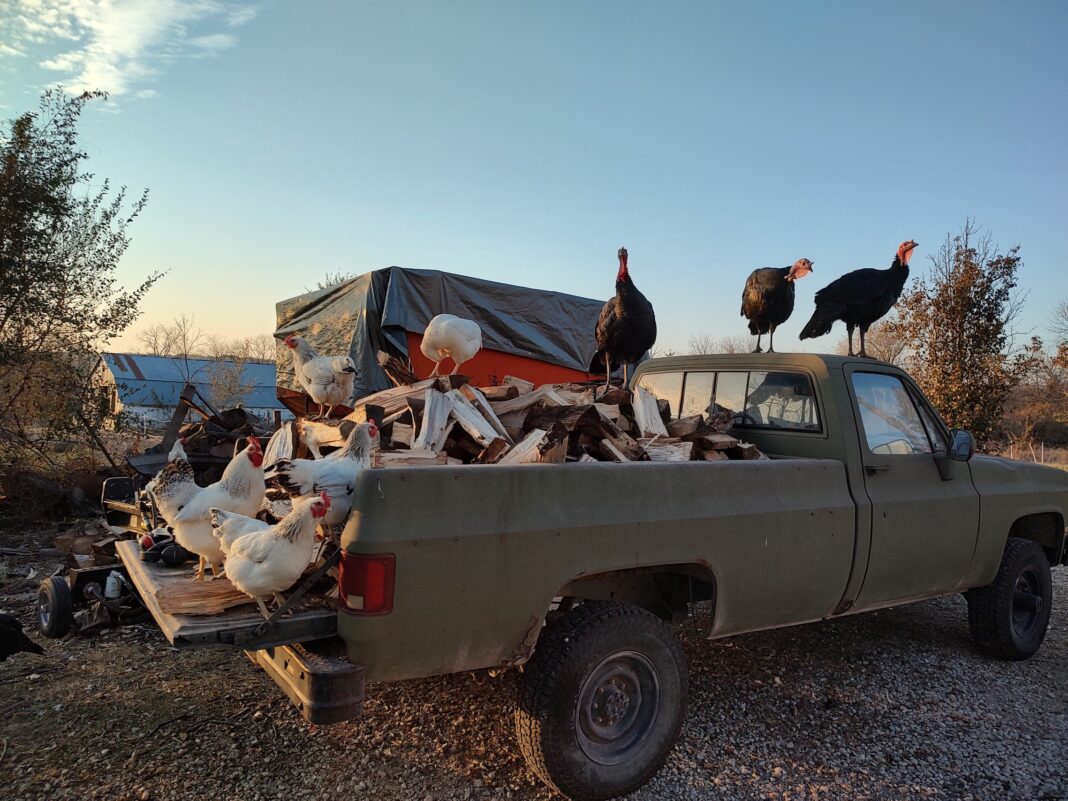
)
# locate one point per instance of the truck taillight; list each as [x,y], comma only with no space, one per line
[365,583]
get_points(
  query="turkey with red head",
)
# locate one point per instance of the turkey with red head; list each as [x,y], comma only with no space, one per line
[626,328]
[860,298]
[768,299]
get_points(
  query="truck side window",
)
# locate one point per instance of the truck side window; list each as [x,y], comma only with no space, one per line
[697,395]
[664,386]
[730,398]
[781,400]
[891,423]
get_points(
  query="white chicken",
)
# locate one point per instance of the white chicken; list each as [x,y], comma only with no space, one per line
[335,474]
[241,489]
[226,527]
[449,336]
[328,380]
[173,486]
[265,562]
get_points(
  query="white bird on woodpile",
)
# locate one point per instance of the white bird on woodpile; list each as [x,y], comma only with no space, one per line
[241,489]
[334,474]
[328,380]
[448,336]
[265,562]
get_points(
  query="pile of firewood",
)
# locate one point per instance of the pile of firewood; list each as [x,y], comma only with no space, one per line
[446,420]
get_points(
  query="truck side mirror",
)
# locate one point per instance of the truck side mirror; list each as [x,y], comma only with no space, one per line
[962,449]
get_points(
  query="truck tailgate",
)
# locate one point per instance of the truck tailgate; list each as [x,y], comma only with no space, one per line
[239,627]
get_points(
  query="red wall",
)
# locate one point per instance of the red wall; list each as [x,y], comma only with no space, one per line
[489,367]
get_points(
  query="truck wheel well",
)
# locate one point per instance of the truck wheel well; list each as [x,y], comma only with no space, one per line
[667,591]
[1045,528]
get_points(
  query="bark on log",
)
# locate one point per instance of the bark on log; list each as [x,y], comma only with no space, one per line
[501,393]
[539,447]
[493,453]
[522,386]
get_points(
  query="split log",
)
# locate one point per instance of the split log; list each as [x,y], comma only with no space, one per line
[501,393]
[444,383]
[392,400]
[572,418]
[522,386]
[614,396]
[408,459]
[493,453]
[713,442]
[366,411]
[540,447]
[545,393]
[587,458]
[399,372]
[745,451]
[714,456]
[610,411]
[436,411]
[684,426]
[470,419]
[482,405]
[615,454]
[661,449]
[402,434]
[514,419]
[647,414]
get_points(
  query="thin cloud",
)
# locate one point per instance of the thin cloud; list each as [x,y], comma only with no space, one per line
[102,44]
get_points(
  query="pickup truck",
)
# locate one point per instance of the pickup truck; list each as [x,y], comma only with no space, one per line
[575,572]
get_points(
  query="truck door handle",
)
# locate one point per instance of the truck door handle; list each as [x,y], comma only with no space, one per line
[876,468]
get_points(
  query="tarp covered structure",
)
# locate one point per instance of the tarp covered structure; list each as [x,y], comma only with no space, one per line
[378,310]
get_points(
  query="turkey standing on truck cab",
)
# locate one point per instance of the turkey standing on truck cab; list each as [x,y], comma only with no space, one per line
[768,299]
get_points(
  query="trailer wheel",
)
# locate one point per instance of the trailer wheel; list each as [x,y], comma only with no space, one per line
[55,607]
[601,701]
[1009,616]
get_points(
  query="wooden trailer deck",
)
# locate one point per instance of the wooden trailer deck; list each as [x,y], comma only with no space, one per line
[237,626]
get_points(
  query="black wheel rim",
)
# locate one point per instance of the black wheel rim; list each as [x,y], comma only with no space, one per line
[44,610]
[619,703]
[1027,603]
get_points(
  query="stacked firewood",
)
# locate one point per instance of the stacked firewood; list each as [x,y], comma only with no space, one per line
[446,420]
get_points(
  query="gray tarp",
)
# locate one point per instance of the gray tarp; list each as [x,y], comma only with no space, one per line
[373,312]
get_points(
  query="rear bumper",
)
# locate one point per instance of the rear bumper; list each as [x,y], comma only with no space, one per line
[326,688]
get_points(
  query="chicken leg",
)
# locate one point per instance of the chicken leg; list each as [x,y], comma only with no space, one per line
[263,609]
[863,351]
[199,574]
[436,370]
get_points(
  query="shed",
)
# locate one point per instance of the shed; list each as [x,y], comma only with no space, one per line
[537,334]
[148,387]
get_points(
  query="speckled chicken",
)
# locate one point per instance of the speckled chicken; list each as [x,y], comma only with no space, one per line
[328,380]
[173,486]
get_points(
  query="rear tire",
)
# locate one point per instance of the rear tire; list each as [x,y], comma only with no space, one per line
[55,607]
[602,701]
[1008,617]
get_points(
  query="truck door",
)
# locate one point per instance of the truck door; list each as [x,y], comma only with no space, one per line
[924,529]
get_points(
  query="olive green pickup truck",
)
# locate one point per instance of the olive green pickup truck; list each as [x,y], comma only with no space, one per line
[575,571]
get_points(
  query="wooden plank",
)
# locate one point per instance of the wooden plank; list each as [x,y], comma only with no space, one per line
[667,449]
[232,627]
[713,442]
[539,447]
[436,410]
[482,404]
[470,419]
[522,386]
[500,393]
[411,458]
[647,414]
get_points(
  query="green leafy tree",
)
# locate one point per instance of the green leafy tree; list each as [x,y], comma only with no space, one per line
[956,322]
[61,239]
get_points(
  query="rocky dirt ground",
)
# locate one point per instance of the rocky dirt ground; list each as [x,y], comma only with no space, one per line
[896,704]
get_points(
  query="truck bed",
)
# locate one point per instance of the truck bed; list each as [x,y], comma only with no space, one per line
[238,627]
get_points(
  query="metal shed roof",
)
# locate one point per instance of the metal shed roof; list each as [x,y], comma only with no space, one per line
[144,380]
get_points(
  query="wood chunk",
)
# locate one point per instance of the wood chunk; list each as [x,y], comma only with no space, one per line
[614,396]
[587,458]
[482,404]
[391,400]
[665,410]
[540,447]
[622,442]
[470,419]
[614,453]
[667,449]
[444,383]
[436,410]
[402,434]
[714,456]
[716,442]
[545,393]
[408,459]
[522,386]
[493,452]
[399,373]
[745,451]
[684,426]
[610,411]
[572,418]
[439,443]
[647,414]
[514,419]
[501,393]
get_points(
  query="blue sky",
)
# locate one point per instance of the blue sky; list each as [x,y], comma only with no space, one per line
[526,142]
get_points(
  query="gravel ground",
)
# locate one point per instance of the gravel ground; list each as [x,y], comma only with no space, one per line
[896,704]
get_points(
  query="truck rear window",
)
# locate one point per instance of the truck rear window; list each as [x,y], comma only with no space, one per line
[753,398]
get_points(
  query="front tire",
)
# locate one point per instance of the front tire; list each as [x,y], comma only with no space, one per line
[602,701]
[1009,616]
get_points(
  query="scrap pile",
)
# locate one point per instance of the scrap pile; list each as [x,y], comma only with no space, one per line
[446,420]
